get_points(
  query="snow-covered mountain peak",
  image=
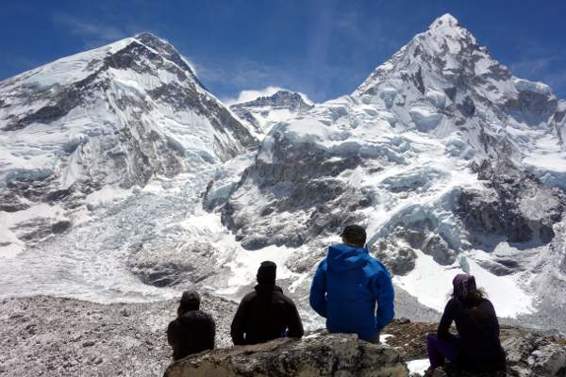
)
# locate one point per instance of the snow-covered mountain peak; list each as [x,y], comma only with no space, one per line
[281,99]
[166,50]
[264,112]
[446,31]
[142,52]
[111,118]
[442,51]
[445,21]
[443,82]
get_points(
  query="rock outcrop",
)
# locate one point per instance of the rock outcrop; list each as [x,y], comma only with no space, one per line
[318,355]
[515,206]
[530,353]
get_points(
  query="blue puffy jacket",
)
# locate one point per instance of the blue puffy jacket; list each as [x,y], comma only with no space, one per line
[345,289]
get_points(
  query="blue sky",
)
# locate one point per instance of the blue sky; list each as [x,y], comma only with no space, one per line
[322,48]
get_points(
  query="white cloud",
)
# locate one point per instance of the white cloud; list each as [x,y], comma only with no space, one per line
[92,32]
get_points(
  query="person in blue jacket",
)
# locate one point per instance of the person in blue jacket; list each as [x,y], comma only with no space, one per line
[348,284]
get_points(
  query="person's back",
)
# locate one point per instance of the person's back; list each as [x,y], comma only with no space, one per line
[478,329]
[347,286]
[193,330]
[477,346]
[266,313]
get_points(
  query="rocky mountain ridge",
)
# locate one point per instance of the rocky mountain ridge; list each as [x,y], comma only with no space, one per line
[264,112]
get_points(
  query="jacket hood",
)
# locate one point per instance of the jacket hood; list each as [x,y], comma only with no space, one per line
[189,315]
[344,257]
[263,289]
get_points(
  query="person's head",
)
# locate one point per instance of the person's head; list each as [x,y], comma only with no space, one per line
[267,273]
[465,288]
[354,235]
[190,300]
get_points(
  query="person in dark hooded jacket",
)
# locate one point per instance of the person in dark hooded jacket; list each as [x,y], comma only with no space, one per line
[347,286]
[266,313]
[193,330]
[477,347]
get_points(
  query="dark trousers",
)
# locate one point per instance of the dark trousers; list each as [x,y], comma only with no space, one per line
[440,350]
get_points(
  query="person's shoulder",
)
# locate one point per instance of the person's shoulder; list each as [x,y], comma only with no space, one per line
[486,304]
[174,323]
[206,315]
[376,267]
[454,305]
[249,297]
[197,316]
[288,300]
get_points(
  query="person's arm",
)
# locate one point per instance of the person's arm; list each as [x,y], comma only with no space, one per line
[170,335]
[237,328]
[212,333]
[295,325]
[383,291]
[446,321]
[317,296]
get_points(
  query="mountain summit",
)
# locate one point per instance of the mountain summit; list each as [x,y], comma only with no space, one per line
[115,116]
[266,111]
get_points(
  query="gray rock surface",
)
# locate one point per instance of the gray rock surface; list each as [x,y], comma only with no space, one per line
[514,206]
[48,336]
[317,355]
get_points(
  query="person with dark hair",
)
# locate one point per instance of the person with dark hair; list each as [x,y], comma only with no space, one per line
[266,313]
[193,330]
[477,347]
[348,284]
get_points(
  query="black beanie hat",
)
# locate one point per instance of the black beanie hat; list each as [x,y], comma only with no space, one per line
[190,300]
[354,234]
[266,273]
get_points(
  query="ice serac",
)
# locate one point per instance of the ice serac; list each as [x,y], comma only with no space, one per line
[115,116]
[450,161]
[264,112]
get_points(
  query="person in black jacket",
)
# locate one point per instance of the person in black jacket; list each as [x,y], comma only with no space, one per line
[193,330]
[266,313]
[477,347]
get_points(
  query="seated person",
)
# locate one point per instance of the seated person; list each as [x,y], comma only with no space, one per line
[266,313]
[477,347]
[348,286]
[193,330]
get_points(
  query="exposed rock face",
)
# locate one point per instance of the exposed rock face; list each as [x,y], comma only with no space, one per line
[529,353]
[514,205]
[329,355]
[534,355]
[298,179]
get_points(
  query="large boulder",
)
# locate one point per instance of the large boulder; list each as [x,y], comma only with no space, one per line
[318,355]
